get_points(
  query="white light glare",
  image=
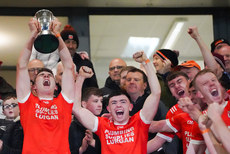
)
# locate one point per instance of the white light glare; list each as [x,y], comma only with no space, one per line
[148,44]
[173,35]
[4,39]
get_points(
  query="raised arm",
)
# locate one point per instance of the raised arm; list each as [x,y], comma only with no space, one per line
[151,103]
[219,128]
[68,65]
[22,77]
[206,53]
[204,124]
[86,118]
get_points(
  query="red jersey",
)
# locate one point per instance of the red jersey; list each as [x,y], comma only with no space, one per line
[45,124]
[182,124]
[131,138]
[172,112]
[198,137]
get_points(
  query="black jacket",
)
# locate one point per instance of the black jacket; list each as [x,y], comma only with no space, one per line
[90,82]
[13,139]
[109,88]
[76,134]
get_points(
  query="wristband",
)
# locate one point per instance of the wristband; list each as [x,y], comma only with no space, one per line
[146,62]
[58,35]
[205,131]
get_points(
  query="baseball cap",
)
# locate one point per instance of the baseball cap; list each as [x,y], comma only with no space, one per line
[217,42]
[189,64]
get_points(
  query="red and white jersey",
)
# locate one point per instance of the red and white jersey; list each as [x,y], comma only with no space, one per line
[129,139]
[197,135]
[182,124]
[172,112]
[46,124]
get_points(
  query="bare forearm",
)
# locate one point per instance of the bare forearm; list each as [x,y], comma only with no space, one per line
[26,53]
[206,53]
[209,144]
[151,103]
[159,126]
[152,79]
[78,91]
[223,133]
[155,144]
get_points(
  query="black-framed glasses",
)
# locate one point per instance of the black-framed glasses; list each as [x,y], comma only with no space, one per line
[117,67]
[7,106]
[32,70]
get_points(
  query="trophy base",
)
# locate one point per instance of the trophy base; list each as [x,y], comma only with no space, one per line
[46,43]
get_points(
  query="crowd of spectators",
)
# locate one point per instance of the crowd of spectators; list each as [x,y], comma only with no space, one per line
[162,107]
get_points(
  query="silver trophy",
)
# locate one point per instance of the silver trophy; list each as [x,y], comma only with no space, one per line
[46,42]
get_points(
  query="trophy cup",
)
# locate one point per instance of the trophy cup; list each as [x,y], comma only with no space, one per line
[46,42]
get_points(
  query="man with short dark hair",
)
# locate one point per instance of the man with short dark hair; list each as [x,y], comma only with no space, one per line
[178,83]
[45,120]
[123,134]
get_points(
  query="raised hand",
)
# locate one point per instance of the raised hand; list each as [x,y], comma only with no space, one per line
[85,72]
[83,54]
[55,26]
[215,110]
[193,32]
[187,106]
[204,122]
[34,26]
[140,56]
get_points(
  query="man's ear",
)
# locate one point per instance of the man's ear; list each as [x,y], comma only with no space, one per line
[34,87]
[83,104]
[199,94]
[130,107]
[56,88]
[145,85]
[108,109]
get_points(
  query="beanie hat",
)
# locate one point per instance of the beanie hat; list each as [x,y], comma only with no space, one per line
[69,33]
[189,64]
[219,59]
[168,54]
[217,42]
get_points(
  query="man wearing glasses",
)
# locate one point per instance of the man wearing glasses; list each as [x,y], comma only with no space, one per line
[113,81]
[34,66]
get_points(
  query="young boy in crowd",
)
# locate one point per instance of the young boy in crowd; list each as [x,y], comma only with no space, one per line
[10,110]
[82,140]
